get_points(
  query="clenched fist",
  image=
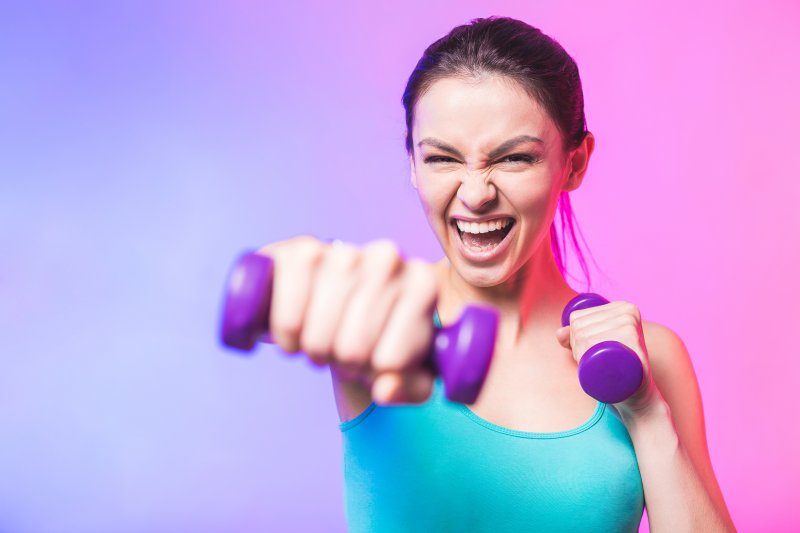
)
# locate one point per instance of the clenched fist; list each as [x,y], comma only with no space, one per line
[615,321]
[366,311]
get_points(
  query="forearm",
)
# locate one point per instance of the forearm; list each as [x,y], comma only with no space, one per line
[675,495]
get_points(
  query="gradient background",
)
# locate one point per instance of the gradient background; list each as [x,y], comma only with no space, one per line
[144,145]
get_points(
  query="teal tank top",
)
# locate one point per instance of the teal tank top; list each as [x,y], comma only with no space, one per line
[438,466]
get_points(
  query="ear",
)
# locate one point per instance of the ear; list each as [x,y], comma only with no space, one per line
[578,163]
[413,171]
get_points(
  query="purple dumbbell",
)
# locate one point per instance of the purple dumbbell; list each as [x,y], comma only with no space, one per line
[609,371]
[461,353]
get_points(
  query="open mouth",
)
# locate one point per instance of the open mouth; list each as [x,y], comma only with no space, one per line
[485,236]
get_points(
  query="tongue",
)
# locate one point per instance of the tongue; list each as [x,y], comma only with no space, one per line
[489,239]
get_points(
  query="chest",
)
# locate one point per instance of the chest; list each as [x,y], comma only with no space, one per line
[534,394]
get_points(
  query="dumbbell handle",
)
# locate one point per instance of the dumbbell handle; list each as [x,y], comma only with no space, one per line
[609,371]
[461,352]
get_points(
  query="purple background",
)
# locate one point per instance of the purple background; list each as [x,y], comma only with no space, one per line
[143,145]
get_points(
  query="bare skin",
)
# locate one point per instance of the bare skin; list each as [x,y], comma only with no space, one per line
[367,313]
[532,383]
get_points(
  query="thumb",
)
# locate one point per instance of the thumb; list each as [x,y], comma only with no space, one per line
[562,334]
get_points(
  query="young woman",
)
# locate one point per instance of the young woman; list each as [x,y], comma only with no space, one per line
[496,138]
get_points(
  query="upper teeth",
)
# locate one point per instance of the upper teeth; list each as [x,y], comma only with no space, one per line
[482,227]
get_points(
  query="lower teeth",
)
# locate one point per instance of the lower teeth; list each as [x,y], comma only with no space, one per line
[482,242]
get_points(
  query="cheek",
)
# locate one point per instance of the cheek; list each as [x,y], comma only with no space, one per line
[531,198]
[435,197]
[535,203]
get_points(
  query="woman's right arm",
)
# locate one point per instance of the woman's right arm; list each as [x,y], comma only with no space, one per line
[352,397]
[366,312]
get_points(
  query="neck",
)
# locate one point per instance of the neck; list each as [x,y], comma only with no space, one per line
[531,300]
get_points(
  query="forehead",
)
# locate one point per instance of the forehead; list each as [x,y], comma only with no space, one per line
[480,114]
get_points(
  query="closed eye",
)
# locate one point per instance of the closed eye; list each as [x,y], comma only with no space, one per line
[514,158]
[438,159]
[520,158]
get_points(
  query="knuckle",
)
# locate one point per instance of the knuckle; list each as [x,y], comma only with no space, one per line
[268,249]
[304,240]
[382,256]
[632,330]
[300,246]
[307,249]
[385,247]
[578,320]
[287,245]
[351,353]
[580,335]
[422,277]
[342,256]
[395,361]
[629,307]
[284,326]
[315,348]
[405,345]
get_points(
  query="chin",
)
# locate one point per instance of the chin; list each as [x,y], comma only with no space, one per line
[482,276]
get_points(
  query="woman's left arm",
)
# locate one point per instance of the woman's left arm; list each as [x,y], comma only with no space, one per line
[664,419]
[669,437]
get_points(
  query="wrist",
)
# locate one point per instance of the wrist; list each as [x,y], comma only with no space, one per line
[645,404]
[653,421]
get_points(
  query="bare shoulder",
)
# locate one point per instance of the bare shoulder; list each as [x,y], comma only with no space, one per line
[662,341]
[675,378]
[671,365]
[674,375]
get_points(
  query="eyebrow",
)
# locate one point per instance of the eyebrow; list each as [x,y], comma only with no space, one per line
[508,145]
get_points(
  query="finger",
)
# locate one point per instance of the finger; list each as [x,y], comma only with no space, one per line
[399,387]
[592,314]
[370,304]
[602,328]
[621,328]
[408,334]
[293,277]
[333,285]
[563,335]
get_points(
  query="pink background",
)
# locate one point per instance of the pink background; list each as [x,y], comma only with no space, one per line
[144,146]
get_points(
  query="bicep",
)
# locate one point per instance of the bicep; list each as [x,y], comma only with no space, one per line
[674,376]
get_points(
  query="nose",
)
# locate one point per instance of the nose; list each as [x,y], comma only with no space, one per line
[477,192]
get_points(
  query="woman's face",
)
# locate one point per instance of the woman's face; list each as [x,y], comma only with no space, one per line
[489,166]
